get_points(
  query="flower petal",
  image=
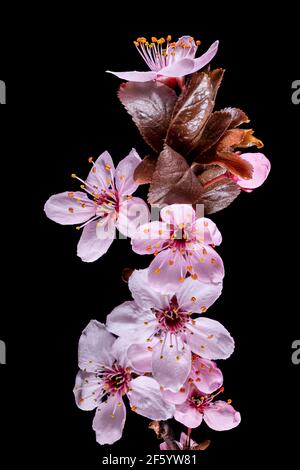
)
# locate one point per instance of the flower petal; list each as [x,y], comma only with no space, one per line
[87,390]
[221,416]
[261,169]
[184,439]
[135,76]
[130,321]
[207,265]
[125,183]
[171,365]
[167,271]
[147,400]
[209,339]
[188,416]
[195,296]
[150,238]
[140,357]
[206,376]
[178,69]
[133,213]
[177,397]
[207,231]
[109,420]
[102,173]
[205,58]
[142,292]
[91,246]
[94,349]
[177,214]
[69,208]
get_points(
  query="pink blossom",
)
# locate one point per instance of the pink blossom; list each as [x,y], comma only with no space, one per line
[218,415]
[109,206]
[204,375]
[261,169]
[182,244]
[176,59]
[162,332]
[105,378]
[184,443]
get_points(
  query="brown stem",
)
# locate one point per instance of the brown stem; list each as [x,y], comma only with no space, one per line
[164,431]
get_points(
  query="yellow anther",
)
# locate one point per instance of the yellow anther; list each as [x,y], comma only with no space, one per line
[229,401]
[146,323]
[108,166]
[178,358]
[194,322]
[210,336]
[90,160]
[181,279]
[198,43]
[71,210]
[194,276]
[136,43]
[169,38]
[156,253]
[149,248]
[161,357]
[203,309]
[94,169]
[112,415]
[157,271]
[82,186]
[83,206]
[120,403]
[193,299]
[146,230]
[154,39]
[170,262]
[149,348]
[77,228]
[70,195]
[160,232]
[189,268]
[73,175]
[213,261]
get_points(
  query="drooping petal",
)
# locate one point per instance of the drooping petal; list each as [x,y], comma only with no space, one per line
[207,231]
[171,363]
[177,214]
[146,399]
[150,238]
[184,439]
[109,420]
[221,416]
[135,76]
[206,376]
[209,339]
[120,351]
[140,357]
[177,397]
[207,265]
[167,271]
[133,213]
[195,296]
[91,246]
[125,183]
[188,416]
[178,69]
[87,390]
[69,208]
[102,173]
[142,292]
[205,58]
[185,48]
[94,349]
[130,321]
[261,169]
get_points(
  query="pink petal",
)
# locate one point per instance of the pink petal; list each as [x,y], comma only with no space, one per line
[204,59]
[142,292]
[206,375]
[94,347]
[140,357]
[130,321]
[178,69]
[135,76]
[207,231]
[87,390]
[109,420]
[184,439]
[164,446]
[102,173]
[221,416]
[209,339]
[91,246]
[171,366]
[261,169]
[207,264]
[167,271]
[195,296]
[120,351]
[177,214]
[185,52]
[125,183]
[177,397]
[149,238]
[188,416]
[133,213]
[147,400]
[66,209]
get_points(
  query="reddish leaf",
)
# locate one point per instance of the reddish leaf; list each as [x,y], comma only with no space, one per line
[218,195]
[151,105]
[238,138]
[144,171]
[235,164]
[173,180]
[192,111]
[202,446]
[216,125]
[238,117]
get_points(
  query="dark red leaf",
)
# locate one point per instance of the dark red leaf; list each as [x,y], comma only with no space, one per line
[144,171]
[218,195]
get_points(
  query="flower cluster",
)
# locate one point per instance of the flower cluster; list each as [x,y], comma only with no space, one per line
[158,350]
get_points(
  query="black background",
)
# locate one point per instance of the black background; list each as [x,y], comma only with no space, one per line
[61,109]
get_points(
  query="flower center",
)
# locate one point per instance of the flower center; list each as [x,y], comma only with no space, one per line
[116,379]
[172,319]
[200,402]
